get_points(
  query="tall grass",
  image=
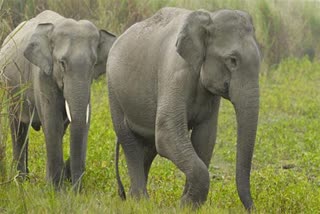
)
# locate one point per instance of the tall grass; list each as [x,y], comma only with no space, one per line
[9,108]
[284,28]
[3,31]
[3,130]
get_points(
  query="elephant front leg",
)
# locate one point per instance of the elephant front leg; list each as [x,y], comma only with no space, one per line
[172,142]
[53,127]
[53,135]
[203,136]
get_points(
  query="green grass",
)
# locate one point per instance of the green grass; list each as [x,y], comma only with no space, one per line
[285,172]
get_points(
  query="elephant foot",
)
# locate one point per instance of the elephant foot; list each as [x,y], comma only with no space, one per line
[22,176]
[251,209]
[56,176]
[77,186]
[188,201]
[196,188]
[139,194]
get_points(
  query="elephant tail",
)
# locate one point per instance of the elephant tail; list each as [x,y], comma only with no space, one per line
[121,191]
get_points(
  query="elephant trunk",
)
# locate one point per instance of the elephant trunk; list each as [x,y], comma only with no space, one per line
[78,112]
[246,104]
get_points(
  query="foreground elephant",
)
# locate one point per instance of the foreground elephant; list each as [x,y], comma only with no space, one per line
[166,76]
[55,59]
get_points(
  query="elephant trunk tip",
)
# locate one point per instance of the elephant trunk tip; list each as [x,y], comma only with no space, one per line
[250,207]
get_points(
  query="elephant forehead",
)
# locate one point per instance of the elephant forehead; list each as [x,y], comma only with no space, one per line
[82,28]
[231,20]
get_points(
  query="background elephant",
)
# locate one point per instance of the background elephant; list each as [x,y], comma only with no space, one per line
[166,76]
[55,58]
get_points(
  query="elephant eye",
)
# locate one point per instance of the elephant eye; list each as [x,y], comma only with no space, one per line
[232,62]
[62,65]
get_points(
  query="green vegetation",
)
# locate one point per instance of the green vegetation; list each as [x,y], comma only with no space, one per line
[285,172]
[285,175]
[284,28]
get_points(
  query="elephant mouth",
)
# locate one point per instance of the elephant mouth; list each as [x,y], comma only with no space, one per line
[221,92]
[224,92]
[219,89]
[226,96]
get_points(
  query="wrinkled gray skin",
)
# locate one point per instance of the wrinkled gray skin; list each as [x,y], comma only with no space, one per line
[56,57]
[166,76]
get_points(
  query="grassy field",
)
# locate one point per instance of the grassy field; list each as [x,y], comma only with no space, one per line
[285,175]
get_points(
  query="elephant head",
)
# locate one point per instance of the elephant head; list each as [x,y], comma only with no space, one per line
[222,48]
[69,52]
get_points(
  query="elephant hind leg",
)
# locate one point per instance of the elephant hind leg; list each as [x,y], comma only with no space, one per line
[149,155]
[134,153]
[19,135]
[139,157]
[132,147]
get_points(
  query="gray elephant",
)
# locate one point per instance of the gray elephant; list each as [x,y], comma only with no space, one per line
[51,59]
[166,76]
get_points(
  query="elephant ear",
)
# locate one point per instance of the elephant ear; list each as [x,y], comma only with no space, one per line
[38,50]
[191,41]
[105,43]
